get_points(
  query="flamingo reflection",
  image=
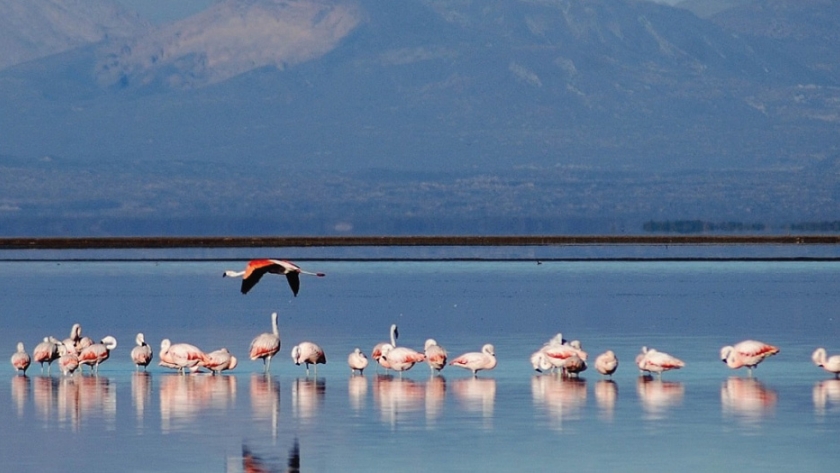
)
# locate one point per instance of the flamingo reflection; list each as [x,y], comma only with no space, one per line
[746,398]
[44,390]
[20,392]
[562,398]
[476,395]
[307,397]
[396,397]
[252,463]
[85,396]
[357,391]
[658,396]
[265,400]
[606,393]
[182,398]
[435,394]
[826,392]
[141,392]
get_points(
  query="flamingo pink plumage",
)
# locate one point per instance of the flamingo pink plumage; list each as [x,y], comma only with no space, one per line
[656,361]
[266,345]
[20,359]
[97,353]
[219,360]
[46,352]
[141,355]
[401,358]
[376,354]
[435,355]
[830,364]
[357,361]
[68,362]
[606,363]
[477,361]
[258,267]
[308,353]
[181,356]
[748,353]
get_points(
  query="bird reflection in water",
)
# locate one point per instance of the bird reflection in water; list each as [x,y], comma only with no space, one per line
[826,395]
[396,397]
[562,398]
[265,400]
[252,463]
[435,395]
[606,393]
[658,396]
[141,393]
[182,398]
[44,391]
[85,396]
[20,392]
[357,391]
[307,396]
[476,395]
[747,399]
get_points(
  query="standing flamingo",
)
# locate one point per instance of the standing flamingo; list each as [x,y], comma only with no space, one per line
[75,336]
[141,355]
[258,267]
[20,359]
[435,356]
[401,358]
[357,361]
[68,362]
[219,360]
[831,364]
[97,353]
[46,352]
[656,361]
[181,356]
[573,366]
[308,353]
[539,360]
[748,353]
[606,363]
[376,354]
[266,345]
[475,361]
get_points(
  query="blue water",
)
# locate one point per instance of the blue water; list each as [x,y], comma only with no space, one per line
[704,417]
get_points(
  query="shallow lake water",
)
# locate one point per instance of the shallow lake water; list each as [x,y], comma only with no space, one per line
[704,417]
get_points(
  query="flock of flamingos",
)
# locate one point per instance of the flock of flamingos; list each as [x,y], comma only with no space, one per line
[557,355]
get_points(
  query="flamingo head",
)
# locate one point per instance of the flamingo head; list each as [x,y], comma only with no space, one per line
[296,355]
[109,342]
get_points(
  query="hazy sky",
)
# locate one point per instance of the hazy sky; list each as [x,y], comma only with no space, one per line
[161,11]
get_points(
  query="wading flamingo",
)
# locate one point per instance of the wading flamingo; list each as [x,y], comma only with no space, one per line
[830,364]
[141,355]
[357,361]
[539,360]
[435,356]
[376,354]
[308,353]
[266,345]
[75,335]
[20,359]
[68,361]
[46,352]
[573,366]
[477,361]
[97,353]
[748,353]
[401,358]
[258,267]
[606,363]
[180,356]
[656,361]
[219,360]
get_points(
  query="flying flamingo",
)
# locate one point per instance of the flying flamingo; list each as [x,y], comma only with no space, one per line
[266,345]
[258,267]
[656,361]
[830,364]
[20,359]
[401,358]
[68,362]
[376,354]
[97,353]
[435,356]
[748,353]
[357,361]
[46,352]
[308,353]
[219,360]
[141,355]
[475,361]
[606,363]
[180,356]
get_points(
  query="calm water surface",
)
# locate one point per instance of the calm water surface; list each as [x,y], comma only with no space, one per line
[702,418]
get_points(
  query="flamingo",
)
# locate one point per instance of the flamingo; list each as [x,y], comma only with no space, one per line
[258,267]
[141,355]
[97,353]
[181,356]
[573,366]
[656,361]
[475,361]
[748,353]
[376,354]
[606,363]
[401,358]
[219,360]
[308,353]
[68,362]
[20,359]
[75,336]
[557,353]
[539,360]
[357,361]
[46,352]
[830,364]
[266,345]
[435,355]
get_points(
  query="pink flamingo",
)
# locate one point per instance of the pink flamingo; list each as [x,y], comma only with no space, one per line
[219,360]
[266,345]
[376,354]
[606,363]
[435,355]
[20,359]
[477,361]
[46,352]
[539,360]
[308,353]
[141,355]
[357,361]
[181,356]
[656,361]
[68,362]
[573,366]
[830,364]
[75,336]
[97,353]
[258,267]
[748,353]
[557,353]
[401,358]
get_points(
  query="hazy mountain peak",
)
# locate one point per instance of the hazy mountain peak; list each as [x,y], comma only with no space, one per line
[230,38]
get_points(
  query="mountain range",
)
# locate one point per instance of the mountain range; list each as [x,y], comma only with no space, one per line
[378,115]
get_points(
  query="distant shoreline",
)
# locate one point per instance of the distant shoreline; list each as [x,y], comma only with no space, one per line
[23,243]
